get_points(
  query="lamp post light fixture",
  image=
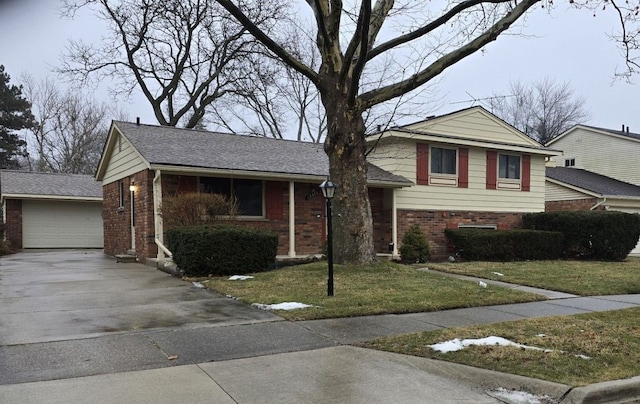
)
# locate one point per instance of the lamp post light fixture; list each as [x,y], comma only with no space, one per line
[328,190]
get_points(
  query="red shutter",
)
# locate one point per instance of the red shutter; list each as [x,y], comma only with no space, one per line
[463,168]
[273,200]
[492,169]
[526,172]
[422,164]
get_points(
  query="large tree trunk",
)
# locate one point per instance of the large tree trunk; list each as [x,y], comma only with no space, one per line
[345,146]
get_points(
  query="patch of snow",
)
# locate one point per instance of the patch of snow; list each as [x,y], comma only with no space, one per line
[240,277]
[282,306]
[497,273]
[585,357]
[459,344]
[518,397]
[482,284]
[541,335]
[198,285]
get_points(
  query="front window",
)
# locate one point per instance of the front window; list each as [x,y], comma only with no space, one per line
[247,193]
[509,167]
[443,161]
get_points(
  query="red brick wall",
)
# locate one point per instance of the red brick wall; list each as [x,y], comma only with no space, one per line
[13,225]
[571,205]
[144,223]
[116,220]
[434,223]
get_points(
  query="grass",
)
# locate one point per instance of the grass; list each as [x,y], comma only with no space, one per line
[584,278]
[383,288]
[610,339]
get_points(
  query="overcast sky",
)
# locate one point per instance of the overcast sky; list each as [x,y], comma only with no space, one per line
[566,45]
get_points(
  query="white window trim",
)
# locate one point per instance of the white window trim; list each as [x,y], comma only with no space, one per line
[440,179]
[508,183]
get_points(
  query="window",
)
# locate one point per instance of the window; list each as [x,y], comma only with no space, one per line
[248,193]
[121,194]
[443,161]
[509,167]
[570,162]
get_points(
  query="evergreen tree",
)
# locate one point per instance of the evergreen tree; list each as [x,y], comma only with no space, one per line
[15,115]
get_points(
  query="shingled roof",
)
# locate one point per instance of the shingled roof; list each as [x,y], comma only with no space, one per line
[590,181]
[27,184]
[170,146]
[616,132]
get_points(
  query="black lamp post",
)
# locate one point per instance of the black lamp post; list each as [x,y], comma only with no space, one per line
[328,189]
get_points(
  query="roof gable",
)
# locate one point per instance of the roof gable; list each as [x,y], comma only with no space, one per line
[620,134]
[26,184]
[592,182]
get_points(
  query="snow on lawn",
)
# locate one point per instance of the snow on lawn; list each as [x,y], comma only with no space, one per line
[459,344]
[198,285]
[282,306]
[497,273]
[518,397]
[240,277]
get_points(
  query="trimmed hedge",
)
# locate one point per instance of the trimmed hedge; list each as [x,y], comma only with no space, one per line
[505,245]
[415,247]
[591,235]
[222,250]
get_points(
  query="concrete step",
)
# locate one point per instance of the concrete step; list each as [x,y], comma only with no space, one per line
[126,258]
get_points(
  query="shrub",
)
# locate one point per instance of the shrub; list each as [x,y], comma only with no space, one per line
[5,247]
[591,235]
[505,245]
[222,250]
[415,247]
[194,209]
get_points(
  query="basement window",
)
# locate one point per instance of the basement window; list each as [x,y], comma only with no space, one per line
[478,226]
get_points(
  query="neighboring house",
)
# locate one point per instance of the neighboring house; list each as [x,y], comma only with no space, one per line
[470,169]
[45,210]
[577,189]
[612,153]
[275,183]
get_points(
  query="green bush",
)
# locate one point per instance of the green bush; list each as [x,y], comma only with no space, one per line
[415,247]
[591,235]
[505,245]
[222,250]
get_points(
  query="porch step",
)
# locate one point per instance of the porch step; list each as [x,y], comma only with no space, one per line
[126,258]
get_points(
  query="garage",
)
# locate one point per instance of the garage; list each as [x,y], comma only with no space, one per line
[51,210]
[61,224]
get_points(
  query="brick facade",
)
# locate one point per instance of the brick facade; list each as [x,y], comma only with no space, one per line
[433,224]
[571,205]
[117,219]
[13,225]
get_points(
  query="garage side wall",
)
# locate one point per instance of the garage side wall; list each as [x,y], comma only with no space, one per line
[117,230]
[13,226]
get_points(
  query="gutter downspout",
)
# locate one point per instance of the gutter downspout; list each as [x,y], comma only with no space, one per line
[157,217]
[597,205]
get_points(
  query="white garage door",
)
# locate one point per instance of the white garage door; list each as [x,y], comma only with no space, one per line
[62,224]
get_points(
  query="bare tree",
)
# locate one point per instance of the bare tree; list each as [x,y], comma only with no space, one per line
[70,131]
[543,109]
[182,55]
[423,39]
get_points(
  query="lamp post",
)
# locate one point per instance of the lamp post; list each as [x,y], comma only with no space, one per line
[328,189]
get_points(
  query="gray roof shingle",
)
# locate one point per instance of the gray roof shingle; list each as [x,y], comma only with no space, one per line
[593,182]
[164,145]
[49,184]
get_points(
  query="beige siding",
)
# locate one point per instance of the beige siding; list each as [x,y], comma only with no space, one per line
[612,156]
[123,162]
[474,124]
[555,192]
[399,157]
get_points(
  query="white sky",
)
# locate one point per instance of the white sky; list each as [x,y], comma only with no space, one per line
[569,45]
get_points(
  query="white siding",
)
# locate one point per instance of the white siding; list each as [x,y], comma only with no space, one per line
[123,162]
[474,124]
[555,192]
[613,156]
[399,157]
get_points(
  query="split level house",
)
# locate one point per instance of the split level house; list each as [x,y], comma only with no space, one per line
[597,171]
[464,169]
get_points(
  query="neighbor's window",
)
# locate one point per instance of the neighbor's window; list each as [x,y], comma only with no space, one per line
[509,167]
[570,162]
[248,193]
[443,161]
[121,194]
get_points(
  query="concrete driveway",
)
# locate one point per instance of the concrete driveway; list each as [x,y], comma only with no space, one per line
[62,295]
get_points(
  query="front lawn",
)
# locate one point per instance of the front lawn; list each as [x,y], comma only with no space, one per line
[575,350]
[584,278]
[383,288]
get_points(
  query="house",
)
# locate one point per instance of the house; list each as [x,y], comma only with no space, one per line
[274,181]
[595,171]
[603,151]
[465,169]
[46,210]
[470,169]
